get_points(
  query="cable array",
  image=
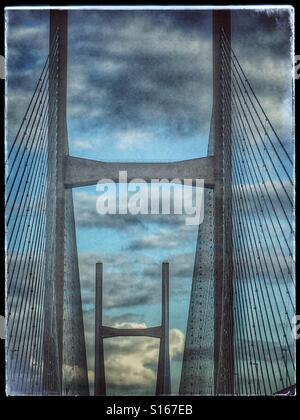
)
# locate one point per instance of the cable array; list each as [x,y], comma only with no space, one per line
[258,174]
[26,206]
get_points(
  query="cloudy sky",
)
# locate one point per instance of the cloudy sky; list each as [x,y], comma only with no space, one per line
[140,89]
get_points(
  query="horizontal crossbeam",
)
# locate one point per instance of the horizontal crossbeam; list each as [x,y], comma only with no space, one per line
[80,172]
[108,332]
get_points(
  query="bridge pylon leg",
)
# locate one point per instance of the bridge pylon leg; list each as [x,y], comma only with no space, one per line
[223,273]
[163,385]
[55,214]
[64,343]
[99,384]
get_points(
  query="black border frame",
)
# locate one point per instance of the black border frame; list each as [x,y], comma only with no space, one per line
[202,405]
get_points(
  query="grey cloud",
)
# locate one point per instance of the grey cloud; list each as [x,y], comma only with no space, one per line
[153,71]
[164,238]
[137,290]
